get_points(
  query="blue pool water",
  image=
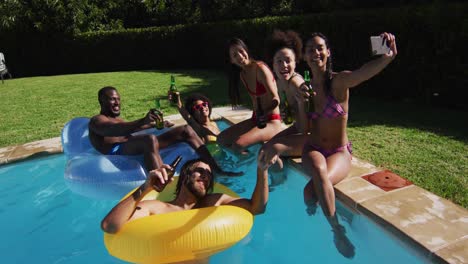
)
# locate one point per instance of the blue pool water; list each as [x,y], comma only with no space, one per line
[42,221]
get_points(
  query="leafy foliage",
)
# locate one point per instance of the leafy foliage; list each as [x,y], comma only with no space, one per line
[76,16]
[429,67]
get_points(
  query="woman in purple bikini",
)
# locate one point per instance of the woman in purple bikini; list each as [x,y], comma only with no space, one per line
[327,153]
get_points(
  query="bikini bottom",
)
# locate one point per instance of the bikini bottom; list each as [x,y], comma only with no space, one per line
[270,117]
[328,152]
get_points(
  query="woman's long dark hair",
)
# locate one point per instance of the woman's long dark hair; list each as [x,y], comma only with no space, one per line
[234,71]
[329,69]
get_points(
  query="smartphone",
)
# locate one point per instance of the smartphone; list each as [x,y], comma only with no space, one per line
[379,45]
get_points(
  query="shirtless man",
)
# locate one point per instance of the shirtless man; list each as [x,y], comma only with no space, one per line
[193,191]
[111,135]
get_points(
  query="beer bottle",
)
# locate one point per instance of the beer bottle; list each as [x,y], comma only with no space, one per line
[259,113]
[171,91]
[288,118]
[170,174]
[310,106]
[157,111]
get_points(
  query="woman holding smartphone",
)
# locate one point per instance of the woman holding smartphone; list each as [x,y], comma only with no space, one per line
[327,153]
[260,84]
[284,50]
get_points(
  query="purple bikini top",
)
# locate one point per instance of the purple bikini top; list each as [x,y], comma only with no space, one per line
[332,110]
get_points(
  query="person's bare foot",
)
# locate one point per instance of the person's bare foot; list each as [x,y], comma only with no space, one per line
[311,207]
[310,199]
[342,243]
[277,174]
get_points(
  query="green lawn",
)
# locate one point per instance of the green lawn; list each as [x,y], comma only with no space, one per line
[427,146]
[37,108]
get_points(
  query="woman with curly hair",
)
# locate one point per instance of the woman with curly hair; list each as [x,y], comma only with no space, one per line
[284,52]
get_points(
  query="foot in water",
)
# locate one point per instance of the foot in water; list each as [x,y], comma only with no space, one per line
[277,174]
[342,243]
[238,159]
[310,199]
[311,207]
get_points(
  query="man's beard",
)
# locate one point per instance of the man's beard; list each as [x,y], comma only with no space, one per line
[196,192]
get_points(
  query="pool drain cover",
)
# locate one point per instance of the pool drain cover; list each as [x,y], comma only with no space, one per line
[387,180]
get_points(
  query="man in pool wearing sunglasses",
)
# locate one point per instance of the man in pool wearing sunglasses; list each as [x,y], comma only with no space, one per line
[111,135]
[193,191]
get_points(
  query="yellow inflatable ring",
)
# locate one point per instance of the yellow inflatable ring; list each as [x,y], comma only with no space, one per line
[180,236]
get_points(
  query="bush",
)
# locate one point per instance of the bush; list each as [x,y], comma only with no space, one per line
[430,41]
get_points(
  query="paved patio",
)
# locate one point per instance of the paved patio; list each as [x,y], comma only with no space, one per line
[436,226]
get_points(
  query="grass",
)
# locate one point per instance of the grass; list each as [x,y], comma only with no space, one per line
[37,108]
[428,146]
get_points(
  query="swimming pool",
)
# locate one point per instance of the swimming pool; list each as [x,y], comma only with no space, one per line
[43,221]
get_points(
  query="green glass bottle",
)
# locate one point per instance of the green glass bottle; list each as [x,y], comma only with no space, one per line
[309,106]
[307,77]
[171,91]
[259,113]
[170,174]
[288,118]
[157,111]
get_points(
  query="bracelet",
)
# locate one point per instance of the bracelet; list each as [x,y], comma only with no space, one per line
[138,192]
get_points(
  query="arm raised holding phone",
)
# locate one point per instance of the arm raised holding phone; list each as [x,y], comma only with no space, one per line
[327,153]
[379,45]
[349,79]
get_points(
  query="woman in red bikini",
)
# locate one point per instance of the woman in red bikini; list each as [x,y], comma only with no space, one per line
[327,153]
[260,84]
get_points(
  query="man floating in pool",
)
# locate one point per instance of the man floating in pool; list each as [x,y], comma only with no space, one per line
[111,135]
[193,191]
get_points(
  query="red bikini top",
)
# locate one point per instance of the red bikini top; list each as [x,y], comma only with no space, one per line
[260,89]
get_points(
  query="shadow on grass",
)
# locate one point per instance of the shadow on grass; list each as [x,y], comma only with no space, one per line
[445,122]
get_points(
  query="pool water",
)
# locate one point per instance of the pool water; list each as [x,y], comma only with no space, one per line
[42,221]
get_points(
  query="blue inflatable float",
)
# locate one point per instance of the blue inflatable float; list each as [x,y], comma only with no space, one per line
[92,174]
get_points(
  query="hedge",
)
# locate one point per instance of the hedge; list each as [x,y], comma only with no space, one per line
[431,43]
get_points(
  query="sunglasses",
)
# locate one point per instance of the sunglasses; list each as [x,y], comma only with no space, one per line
[203,172]
[200,106]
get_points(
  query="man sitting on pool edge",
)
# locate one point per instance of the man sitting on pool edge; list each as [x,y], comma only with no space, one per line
[111,135]
[193,191]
